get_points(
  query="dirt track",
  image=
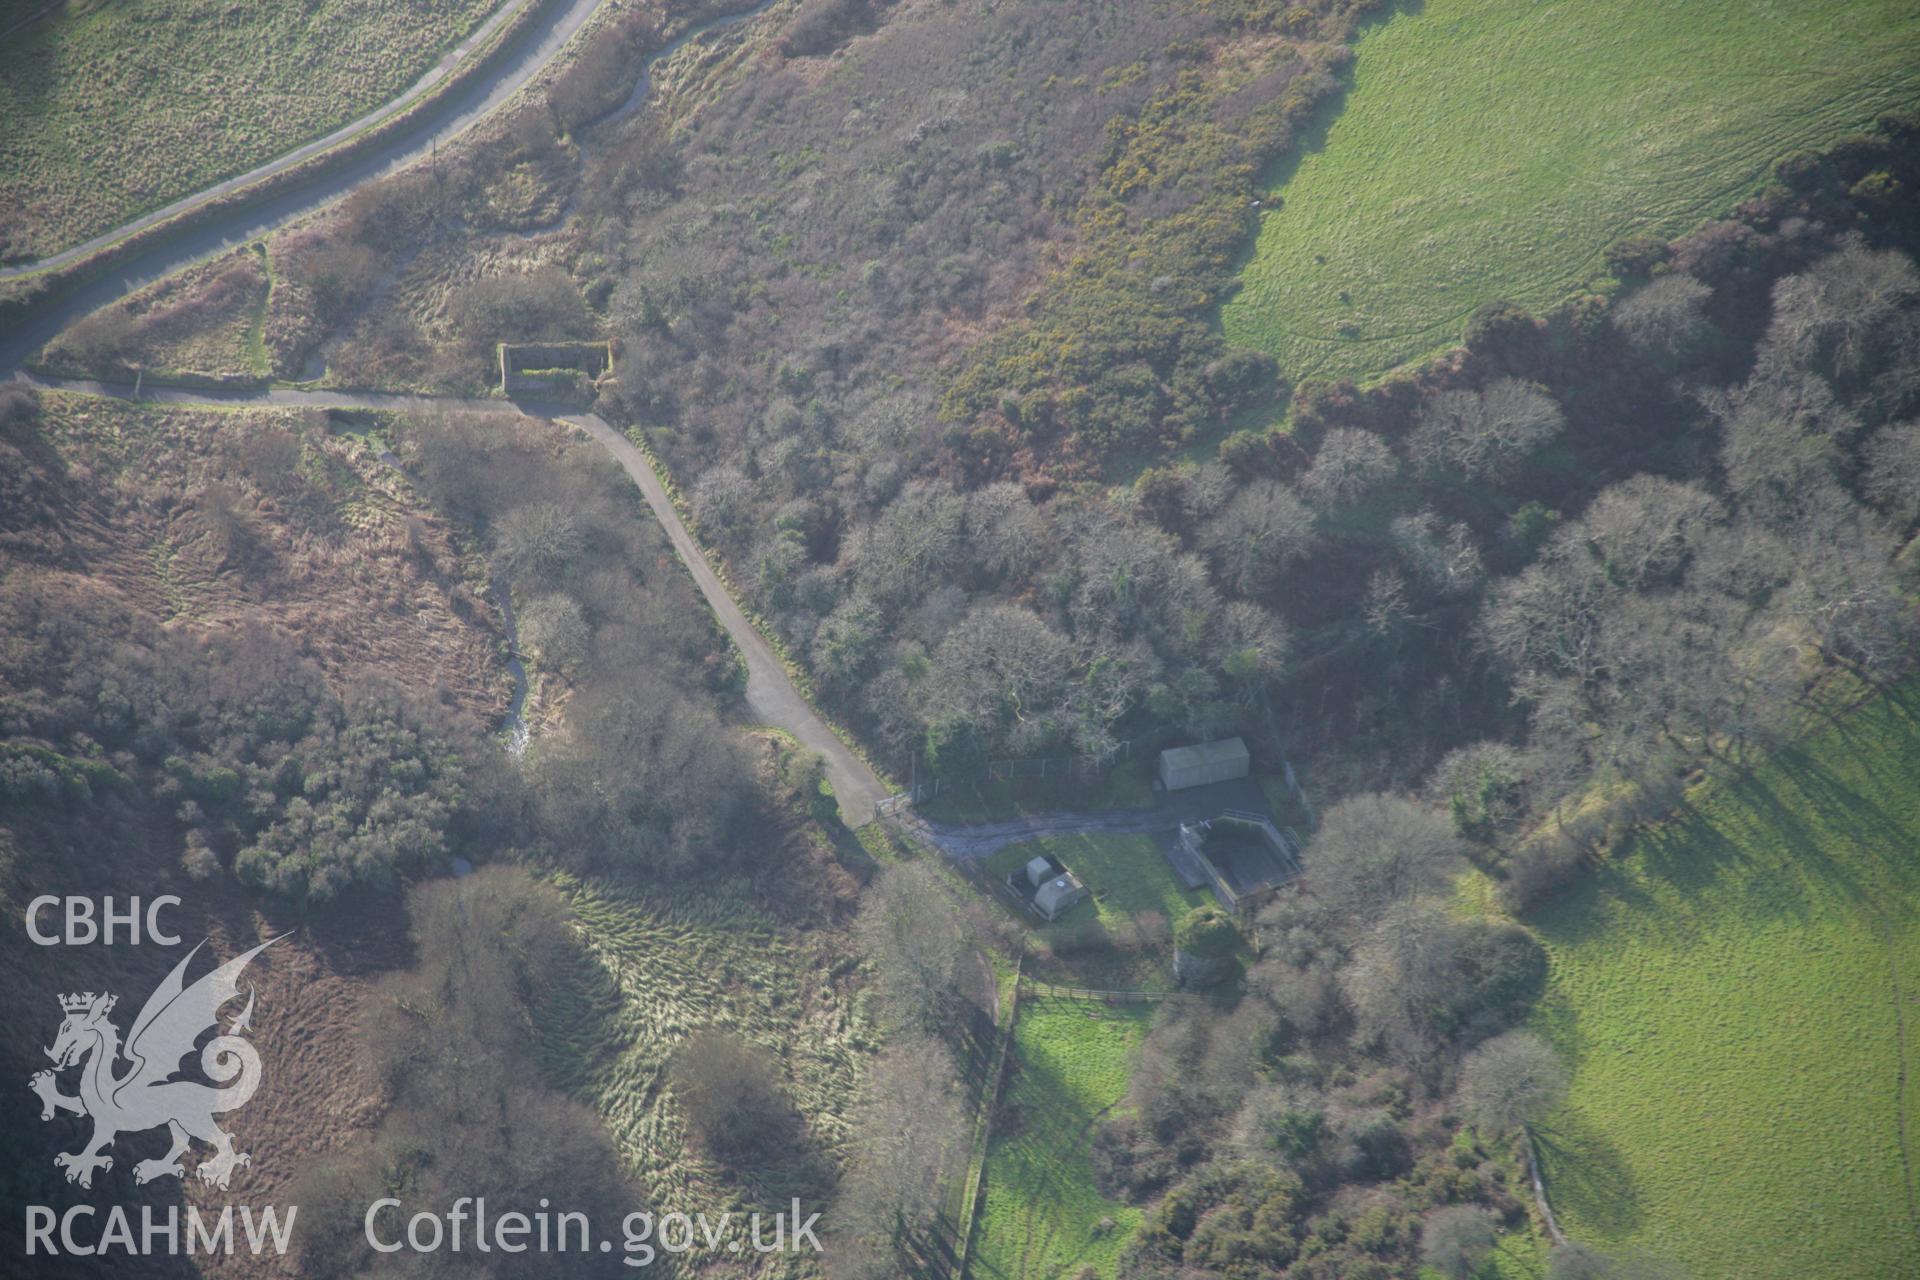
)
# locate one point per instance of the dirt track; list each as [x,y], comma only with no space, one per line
[771,693]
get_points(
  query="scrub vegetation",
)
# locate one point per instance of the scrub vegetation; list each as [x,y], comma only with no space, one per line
[202,324]
[164,727]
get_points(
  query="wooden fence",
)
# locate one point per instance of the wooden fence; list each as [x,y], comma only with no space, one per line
[983,1129]
[1037,990]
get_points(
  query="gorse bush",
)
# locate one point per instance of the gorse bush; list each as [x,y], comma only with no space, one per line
[298,791]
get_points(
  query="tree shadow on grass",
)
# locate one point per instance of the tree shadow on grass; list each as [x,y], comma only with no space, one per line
[974,1038]
[1686,852]
[1585,1172]
[789,1163]
[1042,1134]
[1810,826]
[1885,840]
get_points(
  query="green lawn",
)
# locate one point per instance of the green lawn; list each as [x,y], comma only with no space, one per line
[114,107]
[1127,875]
[1043,1217]
[1494,148]
[1731,993]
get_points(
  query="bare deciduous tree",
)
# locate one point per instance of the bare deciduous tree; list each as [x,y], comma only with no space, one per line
[1484,435]
[1445,559]
[1455,1240]
[1264,528]
[1005,533]
[1349,465]
[1833,317]
[907,925]
[1848,589]
[1893,471]
[723,502]
[913,546]
[554,630]
[1481,786]
[1666,320]
[1401,975]
[731,1093]
[1375,849]
[540,540]
[1509,1082]
[1001,663]
[1781,439]
[1545,621]
[908,1133]
[1643,530]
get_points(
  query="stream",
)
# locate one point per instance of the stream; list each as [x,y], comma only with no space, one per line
[515,727]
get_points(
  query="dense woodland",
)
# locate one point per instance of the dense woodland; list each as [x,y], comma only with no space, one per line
[1594,544]
[1507,603]
[320,788]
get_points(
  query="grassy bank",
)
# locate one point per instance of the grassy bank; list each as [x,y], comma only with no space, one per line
[1738,993]
[1494,148]
[1043,1215]
[115,109]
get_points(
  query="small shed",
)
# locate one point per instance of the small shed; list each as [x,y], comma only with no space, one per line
[1040,870]
[1058,894]
[1219,761]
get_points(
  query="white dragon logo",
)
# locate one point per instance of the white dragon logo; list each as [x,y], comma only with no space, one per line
[147,1096]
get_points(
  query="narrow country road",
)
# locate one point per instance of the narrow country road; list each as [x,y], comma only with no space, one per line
[771,694]
[555,29]
[438,121]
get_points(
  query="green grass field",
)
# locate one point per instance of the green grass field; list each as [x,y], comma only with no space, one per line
[1739,995]
[1043,1217]
[113,108]
[1127,875]
[1494,148]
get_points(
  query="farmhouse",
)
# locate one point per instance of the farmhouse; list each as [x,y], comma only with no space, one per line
[1219,761]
